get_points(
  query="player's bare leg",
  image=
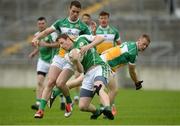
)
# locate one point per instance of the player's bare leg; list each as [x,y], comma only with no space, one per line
[64,76]
[52,76]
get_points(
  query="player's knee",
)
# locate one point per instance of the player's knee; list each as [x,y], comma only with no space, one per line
[60,83]
[40,83]
[51,83]
[113,88]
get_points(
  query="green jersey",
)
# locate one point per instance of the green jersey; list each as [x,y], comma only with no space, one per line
[111,36]
[91,57]
[73,29]
[120,55]
[47,53]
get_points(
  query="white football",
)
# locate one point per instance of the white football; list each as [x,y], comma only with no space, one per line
[68,55]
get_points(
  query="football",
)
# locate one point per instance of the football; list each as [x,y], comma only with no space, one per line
[68,55]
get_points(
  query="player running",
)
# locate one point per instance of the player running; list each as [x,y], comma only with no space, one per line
[46,55]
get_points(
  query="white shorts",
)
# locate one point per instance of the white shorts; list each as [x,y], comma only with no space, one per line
[42,66]
[61,63]
[88,81]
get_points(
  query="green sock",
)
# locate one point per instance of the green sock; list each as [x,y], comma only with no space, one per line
[56,91]
[68,99]
[97,111]
[43,104]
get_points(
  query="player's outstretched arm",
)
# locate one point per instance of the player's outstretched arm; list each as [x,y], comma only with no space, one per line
[75,82]
[134,77]
[41,35]
[97,40]
[51,45]
[33,53]
[132,73]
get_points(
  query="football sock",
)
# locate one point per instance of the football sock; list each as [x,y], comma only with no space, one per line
[68,99]
[56,91]
[62,98]
[96,112]
[43,104]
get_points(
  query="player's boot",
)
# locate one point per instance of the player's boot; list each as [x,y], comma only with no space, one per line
[138,86]
[35,107]
[39,114]
[108,113]
[96,114]
[68,110]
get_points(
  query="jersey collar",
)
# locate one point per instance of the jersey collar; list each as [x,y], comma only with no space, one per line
[107,27]
[73,21]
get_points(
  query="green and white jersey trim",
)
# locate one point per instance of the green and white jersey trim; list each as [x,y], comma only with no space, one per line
[90,38]
[109,33]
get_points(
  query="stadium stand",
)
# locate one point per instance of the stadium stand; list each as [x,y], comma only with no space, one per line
[131,17]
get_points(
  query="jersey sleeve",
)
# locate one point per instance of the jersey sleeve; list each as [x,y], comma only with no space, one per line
[54,36]
[77,46]
[117,36]
[80,43]
[132,60]
[56,25]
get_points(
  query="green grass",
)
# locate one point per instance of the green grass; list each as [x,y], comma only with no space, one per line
[134,108]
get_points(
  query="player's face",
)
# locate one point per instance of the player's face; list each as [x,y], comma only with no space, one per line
[65,43]
[74,13]
[142,44]
[41,24]
[103,20]
[86,20]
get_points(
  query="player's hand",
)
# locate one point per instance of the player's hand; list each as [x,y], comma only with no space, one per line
[138,85]
[74,55]
[35,42]
[84,49]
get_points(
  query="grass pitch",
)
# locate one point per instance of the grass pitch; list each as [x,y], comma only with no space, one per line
[134,108]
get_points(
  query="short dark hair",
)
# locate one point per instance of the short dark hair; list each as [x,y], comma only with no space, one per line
[75,3]
[41,18]
[146,37]
[86,14]
[104,13]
